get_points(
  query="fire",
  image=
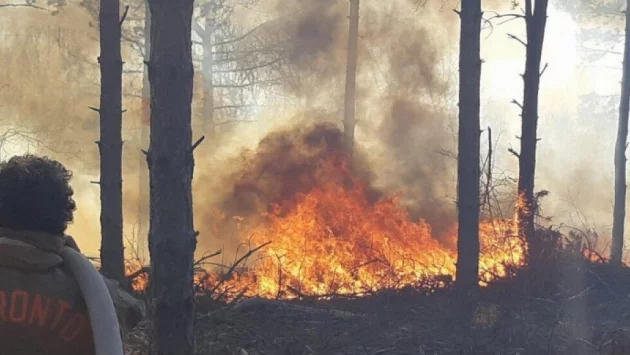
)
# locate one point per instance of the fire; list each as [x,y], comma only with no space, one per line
[332,240]
[329,238]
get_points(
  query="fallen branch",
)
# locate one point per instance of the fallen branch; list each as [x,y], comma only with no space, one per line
[205,257]
[233,267]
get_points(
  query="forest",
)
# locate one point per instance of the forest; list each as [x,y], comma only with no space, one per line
[297,177]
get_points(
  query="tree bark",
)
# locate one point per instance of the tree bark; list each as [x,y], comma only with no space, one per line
[468,169]
[110,144]
[143,173]
[172,240]
[535,20]
[208,83]
[349,119]
[619,212]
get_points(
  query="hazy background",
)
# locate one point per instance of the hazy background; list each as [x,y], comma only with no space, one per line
[406,105]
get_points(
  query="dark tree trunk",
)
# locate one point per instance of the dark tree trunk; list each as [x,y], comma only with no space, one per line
[172,240]
[468,170]
[349,119]
[535,20]
[143,173]
[110,144]
[208,83]
[619,214]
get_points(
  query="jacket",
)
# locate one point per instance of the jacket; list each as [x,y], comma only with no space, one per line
[42,310]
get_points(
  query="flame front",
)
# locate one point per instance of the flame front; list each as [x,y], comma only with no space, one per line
[332,240]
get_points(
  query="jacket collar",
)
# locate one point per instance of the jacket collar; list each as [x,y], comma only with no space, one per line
[40,240]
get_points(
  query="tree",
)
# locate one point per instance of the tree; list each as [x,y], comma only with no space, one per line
[110,143]
[172,239]
[143,176]
[619,212]
[468,169]
[349,119]
[236,64]
[207,68]
[535,21]
[228,59]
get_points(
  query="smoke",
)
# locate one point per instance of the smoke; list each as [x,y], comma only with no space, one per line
[49,82]
[413,138]
[55,79]
[404,113]
[315,31]
[406,110]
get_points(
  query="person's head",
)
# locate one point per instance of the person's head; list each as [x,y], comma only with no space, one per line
[35,194]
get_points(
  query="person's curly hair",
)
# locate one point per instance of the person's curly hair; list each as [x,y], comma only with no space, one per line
[35,194]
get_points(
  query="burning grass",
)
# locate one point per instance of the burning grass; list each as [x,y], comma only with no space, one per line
[350,272]
[329,236]
[582,308]
[332,240]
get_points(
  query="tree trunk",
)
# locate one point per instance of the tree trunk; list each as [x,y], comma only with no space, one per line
[619,214]
[349,119]
[468,170]
[172,240]
[536,20]
[208,84]
[110,144]
[143,173]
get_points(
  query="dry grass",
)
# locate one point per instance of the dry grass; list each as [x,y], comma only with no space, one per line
[574,306]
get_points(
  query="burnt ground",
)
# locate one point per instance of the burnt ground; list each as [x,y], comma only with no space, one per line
[574,307]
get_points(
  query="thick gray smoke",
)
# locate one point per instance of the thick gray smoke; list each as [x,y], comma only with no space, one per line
[406,102]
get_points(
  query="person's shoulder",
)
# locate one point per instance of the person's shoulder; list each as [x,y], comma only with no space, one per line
[70,242]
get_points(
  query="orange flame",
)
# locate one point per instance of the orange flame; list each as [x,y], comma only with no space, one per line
[332,240]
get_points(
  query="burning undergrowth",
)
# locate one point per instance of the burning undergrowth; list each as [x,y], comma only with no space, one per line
[326,231]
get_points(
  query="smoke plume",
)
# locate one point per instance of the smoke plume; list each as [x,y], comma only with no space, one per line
[406,110]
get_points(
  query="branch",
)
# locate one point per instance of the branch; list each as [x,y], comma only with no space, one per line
[194,146]
[239,38]
[206,257]
[259,50]
[240,86]
[510,17]
[543,70]
[249,68]
[200,30]
[517,39]
[25,5]
[516,103]
[238,262]
[227,107]
[514,153]
[234,121]
[137,42]
[447,153]
[124,16]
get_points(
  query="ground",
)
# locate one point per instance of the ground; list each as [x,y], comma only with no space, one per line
[570,306]
[411,322]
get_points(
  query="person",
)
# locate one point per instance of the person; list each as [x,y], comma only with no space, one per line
[42,310]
